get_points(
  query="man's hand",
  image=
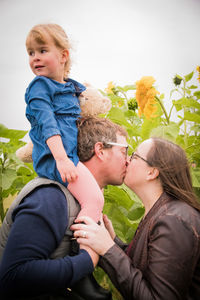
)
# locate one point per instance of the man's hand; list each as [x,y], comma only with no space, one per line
[109,226]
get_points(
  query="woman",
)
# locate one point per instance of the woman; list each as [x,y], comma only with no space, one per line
[163,259]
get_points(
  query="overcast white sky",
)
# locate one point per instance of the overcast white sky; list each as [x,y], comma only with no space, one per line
[113,40]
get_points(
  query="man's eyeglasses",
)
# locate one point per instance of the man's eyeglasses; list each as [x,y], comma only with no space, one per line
[134,155]
[117,144]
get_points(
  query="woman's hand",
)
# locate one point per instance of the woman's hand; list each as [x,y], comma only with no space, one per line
[109,226]
[93,235]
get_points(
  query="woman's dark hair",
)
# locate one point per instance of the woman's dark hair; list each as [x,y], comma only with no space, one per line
[174,171]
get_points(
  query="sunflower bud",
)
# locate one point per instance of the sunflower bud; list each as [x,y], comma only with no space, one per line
[177,80]
[132,104]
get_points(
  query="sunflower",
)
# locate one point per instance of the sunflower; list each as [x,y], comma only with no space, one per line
[110,87]
[145,96]
[198,70]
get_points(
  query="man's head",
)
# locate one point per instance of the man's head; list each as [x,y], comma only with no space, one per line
[97,149]
[102,147]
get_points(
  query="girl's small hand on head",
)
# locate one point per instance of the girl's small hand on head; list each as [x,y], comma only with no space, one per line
[67,170]
[93,235]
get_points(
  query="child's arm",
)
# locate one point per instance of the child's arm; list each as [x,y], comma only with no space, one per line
[64,165]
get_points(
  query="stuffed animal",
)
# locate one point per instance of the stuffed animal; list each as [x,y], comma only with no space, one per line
[25,153]
[92,103]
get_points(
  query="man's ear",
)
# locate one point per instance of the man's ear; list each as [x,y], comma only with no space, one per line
[153,173]
[98,149]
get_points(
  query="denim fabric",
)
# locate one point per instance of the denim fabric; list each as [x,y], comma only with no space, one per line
[52,108]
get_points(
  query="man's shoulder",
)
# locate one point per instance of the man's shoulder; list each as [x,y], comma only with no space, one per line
[43,192]
[44,195]
[47,187]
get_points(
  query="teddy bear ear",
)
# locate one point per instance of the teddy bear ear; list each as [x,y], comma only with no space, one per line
[87,84]
[108,103]
[25,153]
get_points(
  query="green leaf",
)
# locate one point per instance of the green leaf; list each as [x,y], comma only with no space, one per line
[7,178]
[117,116]
[119,196]
[193,87]
[127,87]
[177,105]
[136,213]
[24,171]
[12,134]
[197,94]
[186,102]
[189,76]
[195,177]
[195,128]
[147,127]
[120,221]
[170,131]
[194,117]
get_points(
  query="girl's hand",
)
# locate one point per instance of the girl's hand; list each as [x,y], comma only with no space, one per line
[93,235]
[65,166]
[67,170]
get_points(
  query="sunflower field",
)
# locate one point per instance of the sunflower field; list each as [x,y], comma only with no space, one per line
[144,112]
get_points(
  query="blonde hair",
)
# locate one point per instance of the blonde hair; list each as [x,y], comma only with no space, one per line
[41,33]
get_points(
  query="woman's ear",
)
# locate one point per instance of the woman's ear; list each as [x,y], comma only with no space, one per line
[153,173]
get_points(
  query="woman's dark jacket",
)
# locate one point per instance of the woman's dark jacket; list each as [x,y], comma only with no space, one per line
[163,259]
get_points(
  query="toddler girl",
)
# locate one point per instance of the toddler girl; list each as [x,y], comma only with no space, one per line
[52,110]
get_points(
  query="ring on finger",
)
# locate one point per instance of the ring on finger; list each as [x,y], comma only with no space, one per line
[84,235]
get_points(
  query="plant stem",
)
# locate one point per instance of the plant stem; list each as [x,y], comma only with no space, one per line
[125,99]
[195,145]
[163,109]
[2,214]
[184,109]
[171,111]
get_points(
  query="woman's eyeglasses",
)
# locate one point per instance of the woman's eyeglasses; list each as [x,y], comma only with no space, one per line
[134,155]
